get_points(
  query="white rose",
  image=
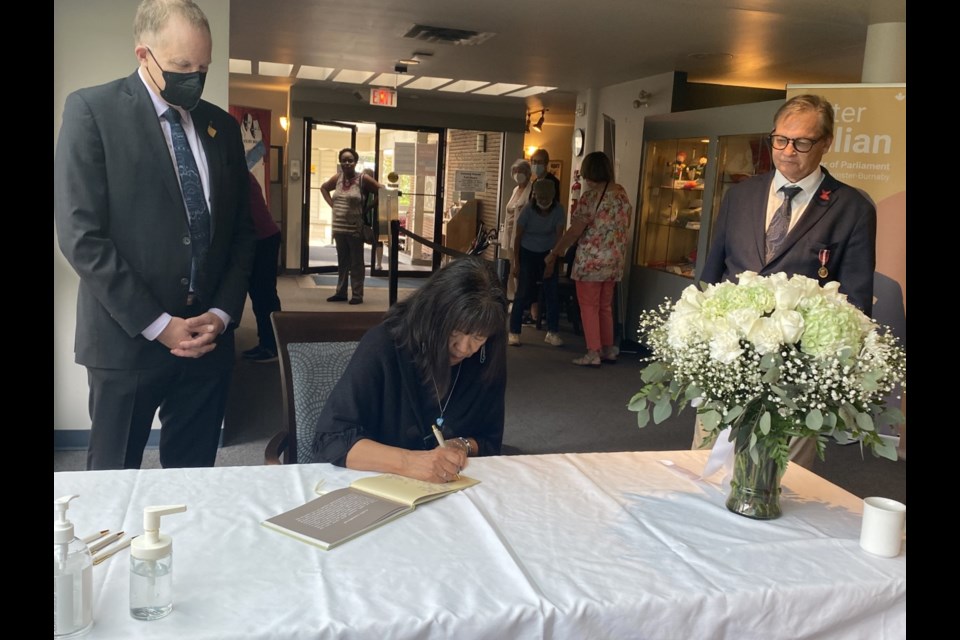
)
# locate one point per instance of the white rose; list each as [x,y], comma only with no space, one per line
[765,336]
[725,346]
[788,295]
[789,323]
[748,278]
[742,320]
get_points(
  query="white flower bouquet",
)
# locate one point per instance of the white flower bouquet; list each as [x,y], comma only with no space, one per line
[772,358]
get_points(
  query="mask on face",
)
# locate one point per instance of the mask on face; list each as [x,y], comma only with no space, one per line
[539,169]
[521,178]
[544,204]
[181,89]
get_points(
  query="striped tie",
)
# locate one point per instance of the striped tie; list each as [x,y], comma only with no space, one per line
[780,223]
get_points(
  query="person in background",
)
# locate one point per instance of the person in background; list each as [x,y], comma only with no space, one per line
[152,210]
[599,228]
[263,276]
[539,162]
[520,170]
[346,192]
[795,220]
[439,358]
[539,227]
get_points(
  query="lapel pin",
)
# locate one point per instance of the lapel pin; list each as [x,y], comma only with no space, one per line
[211,131]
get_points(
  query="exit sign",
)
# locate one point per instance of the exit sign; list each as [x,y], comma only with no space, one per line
[383,97]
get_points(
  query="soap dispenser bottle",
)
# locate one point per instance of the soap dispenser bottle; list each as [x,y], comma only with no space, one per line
[72,577]
[151,567]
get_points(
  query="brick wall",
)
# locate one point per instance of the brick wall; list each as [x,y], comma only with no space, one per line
[462,154]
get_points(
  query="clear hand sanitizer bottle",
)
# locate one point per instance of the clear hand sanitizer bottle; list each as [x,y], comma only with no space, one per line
[72,577]
[151,567]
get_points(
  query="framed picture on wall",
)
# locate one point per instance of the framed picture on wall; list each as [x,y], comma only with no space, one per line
[556,168]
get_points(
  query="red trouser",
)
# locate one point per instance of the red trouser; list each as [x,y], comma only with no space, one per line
[596,312]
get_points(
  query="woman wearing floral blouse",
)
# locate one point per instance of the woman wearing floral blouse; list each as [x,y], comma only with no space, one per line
[599,229]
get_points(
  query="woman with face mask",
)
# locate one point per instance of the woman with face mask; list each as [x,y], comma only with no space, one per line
[520,196]
[599,228]
[539,226]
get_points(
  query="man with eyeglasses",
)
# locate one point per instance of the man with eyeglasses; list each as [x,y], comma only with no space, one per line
[827,231]
[797,220]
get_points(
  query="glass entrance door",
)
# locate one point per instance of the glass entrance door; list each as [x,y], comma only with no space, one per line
[324,140]
[415,155]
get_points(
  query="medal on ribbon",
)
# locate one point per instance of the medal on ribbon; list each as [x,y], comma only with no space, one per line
[824,258]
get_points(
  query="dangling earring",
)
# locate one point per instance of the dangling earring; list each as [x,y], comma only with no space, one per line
[483,353]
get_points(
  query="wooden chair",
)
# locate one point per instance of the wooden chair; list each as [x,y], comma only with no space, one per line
[314,348]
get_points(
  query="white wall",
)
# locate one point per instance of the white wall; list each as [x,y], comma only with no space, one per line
[93,44]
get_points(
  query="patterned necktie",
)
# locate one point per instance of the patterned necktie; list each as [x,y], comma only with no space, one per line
[193,196]
[780,223]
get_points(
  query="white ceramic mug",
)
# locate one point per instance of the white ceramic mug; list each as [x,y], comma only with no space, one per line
[881,532]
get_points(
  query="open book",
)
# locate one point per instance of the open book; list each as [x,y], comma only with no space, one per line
[340,515]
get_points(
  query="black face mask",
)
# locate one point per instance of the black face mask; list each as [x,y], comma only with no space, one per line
[181,89]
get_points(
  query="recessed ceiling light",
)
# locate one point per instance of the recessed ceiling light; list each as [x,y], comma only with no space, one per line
[530,91]
[278,69]
[426,82]
[352,76]
[391,79]
[463,86]
[314,73]
[499,89]
[240,66]
[409,61]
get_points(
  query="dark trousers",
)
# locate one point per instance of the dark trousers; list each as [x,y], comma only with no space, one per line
[191,395]
[263,288]
[529,273]
[349,262]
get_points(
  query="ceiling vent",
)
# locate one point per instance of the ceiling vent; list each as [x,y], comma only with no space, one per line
[445,35]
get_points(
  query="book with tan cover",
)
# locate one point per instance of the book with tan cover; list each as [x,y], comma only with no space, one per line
[343,514]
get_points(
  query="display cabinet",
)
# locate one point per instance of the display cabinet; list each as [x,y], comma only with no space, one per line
[690,160]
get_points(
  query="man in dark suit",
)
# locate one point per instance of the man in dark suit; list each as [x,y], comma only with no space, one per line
[152,211]
[832,229]
[828,231]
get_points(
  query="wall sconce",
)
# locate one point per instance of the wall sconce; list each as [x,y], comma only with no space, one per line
[538,125]
[531,149]
[284,123]
[643,99]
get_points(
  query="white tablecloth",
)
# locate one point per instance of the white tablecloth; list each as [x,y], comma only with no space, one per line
[605,545]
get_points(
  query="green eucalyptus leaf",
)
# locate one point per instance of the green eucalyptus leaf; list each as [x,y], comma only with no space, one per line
[653,372]
[814,419]
[864,422]
[662,410]
[885,449]
[764,423]
[637,402]
[771,375]
[643,417]
[732,414]
[710,419]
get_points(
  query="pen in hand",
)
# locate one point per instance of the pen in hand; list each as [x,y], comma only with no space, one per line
[440,440]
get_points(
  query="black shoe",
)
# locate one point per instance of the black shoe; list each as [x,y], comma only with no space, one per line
[251,352]
[263,355]
[356,301]
[337,298]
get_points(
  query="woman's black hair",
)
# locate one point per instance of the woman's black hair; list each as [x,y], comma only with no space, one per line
[353,152]
[464,296]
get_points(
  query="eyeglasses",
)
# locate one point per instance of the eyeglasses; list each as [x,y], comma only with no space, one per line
[802,145]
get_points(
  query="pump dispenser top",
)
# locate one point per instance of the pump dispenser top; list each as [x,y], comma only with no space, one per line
[153,545]
[62,528]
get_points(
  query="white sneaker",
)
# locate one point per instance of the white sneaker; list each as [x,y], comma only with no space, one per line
[513,339]
[553,339]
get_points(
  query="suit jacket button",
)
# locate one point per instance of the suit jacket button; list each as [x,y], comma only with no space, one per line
[186,240]
[184,281]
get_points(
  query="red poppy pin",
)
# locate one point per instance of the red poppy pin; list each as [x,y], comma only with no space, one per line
[825,195]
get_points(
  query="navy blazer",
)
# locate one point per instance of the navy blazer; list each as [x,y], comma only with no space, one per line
[838,218]
[122,224]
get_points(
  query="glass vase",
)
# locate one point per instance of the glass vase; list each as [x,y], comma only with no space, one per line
[755,487]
